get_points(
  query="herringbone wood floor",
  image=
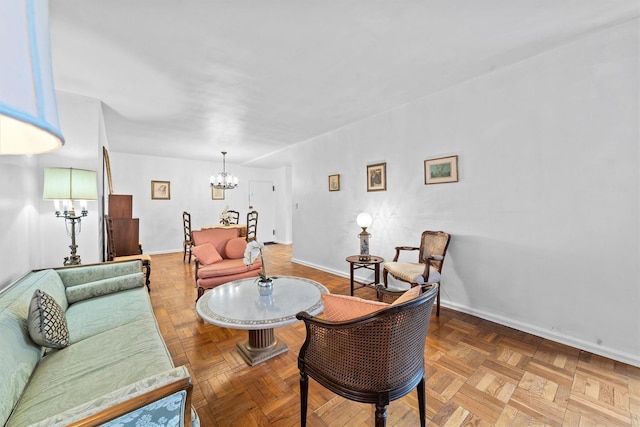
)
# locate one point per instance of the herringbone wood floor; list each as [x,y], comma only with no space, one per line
[478,373]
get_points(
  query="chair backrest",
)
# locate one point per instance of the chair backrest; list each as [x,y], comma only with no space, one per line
[186,223]
[386,350]
[252,225]
[434,243]
[111,251]
[234,217]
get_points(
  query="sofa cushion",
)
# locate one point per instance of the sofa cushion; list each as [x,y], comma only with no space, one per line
[227,267]
[104,287]
[218,237]
[46,321]
[206,254]
[79,275]
[96,315]
[339,308]
[67,378]
[235,248]
[19,355]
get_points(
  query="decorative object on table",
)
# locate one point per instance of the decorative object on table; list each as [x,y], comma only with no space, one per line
[334,182]
[251,253]
[217,193]
[224,180]
[226,216]
[364,220]
[160,190]
[428,269]
[377,177]
[252,225]
[441,170]
[28,110]
[66,187]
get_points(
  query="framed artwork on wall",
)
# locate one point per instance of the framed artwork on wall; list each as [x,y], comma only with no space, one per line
[217,193]
[377,177]
[161,190]
[334,182]
[441,170]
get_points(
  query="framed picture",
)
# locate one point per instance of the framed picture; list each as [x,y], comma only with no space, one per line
[441,170]
[334,182]
[377,177]
[217,193]
[160,190]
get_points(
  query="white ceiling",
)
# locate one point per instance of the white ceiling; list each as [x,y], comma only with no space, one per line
[192,78]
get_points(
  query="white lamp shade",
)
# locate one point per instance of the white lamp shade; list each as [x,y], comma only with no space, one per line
[28,111]
[69,184]
[364,220]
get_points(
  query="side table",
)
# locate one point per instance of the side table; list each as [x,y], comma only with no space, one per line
[372,264]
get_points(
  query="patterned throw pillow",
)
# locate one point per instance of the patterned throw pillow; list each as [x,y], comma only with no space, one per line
[46,322]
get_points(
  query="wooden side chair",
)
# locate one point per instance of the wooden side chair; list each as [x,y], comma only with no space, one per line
[252,225]
[111,252]
[188,241]
[428,269]
[376,357]
[234,217]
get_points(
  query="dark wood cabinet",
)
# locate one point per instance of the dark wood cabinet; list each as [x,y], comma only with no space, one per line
[126,230]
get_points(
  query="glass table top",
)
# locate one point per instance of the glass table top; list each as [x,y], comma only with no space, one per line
[238,305]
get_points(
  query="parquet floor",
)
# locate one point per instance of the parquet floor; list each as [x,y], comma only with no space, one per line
[478,373]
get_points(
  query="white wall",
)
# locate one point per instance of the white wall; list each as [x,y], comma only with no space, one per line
[19,217]
[161,220]
[545,218]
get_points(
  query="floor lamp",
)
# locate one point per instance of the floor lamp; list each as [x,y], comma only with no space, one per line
[68,187]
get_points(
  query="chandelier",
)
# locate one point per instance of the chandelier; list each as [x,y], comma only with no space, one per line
[224,180]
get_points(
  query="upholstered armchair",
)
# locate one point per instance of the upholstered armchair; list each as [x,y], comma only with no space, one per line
[368,351]
[428,269]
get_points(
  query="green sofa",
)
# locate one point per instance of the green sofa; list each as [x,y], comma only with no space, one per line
[116,370]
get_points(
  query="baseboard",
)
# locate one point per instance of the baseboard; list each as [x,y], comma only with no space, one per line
[611,353]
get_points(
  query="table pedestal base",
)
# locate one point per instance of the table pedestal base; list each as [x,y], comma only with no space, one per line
[262,345]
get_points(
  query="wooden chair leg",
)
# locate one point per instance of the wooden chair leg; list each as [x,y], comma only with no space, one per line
[381,415]
[422,405]
[200,293]
[385,274]
[148,275]
[304,393]
[438,302]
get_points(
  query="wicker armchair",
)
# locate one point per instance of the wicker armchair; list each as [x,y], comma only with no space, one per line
[428,269]
[375,358]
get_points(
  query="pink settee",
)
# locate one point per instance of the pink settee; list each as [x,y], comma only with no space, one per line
[219,256]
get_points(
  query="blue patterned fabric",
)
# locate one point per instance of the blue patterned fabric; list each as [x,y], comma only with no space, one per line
[165,412]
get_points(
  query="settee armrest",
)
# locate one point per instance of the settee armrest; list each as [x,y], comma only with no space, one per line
[165,396]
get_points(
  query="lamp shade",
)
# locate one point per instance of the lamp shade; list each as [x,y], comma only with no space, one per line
[28,111]
[69,184]
[364,220]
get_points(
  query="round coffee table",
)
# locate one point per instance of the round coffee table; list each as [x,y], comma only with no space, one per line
[238,305]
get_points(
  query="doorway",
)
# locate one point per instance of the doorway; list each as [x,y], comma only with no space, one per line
[262,199]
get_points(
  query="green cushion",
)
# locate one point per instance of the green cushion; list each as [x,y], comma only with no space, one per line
[73,276]
[18,353]
[96,315]
[67,378]
[104,287]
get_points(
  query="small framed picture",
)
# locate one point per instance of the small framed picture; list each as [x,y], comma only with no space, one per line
[441,170]
[377,177]
[334,182]
[160,190]
[217,193]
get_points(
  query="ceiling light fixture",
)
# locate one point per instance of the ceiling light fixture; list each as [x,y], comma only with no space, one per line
[224,180]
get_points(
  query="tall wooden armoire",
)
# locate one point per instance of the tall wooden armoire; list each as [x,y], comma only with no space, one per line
[126,230]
